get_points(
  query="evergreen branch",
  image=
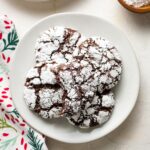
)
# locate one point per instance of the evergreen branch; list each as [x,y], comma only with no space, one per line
[12,39]
[34,142]
[15,113]
[10,142]
[4,124]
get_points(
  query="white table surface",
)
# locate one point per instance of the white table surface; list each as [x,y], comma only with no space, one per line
[134,133]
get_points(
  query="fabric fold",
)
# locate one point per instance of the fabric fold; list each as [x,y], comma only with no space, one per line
[15,133]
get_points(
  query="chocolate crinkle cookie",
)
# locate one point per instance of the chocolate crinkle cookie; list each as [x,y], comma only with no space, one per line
[103,60]
[49,94]
[42,93]
[73,77]
[94,112]
[57,44]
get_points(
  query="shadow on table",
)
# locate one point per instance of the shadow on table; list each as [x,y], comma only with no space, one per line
[29,6]
[114,141]
[65,4]
[49,6]
[140,20]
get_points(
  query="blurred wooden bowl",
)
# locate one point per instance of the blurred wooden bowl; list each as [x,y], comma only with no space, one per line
[143,9]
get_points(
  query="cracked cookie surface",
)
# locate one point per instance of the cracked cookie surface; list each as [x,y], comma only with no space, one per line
[58,44]
[104,61]
[73,77]
[48,94]
[42,93]
[95,112]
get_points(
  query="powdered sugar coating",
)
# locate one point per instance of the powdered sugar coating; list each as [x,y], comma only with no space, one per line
[41,74]
[138,3]
[47,76]
[72,97]
[95,112]
[77,78]
[90,72]
[49,42]
[51,90]
[57,43]
[50,102]
[73,77]
[101,61]
[30,98]
[41,93]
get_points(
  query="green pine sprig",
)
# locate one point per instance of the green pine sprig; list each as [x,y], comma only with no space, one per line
[8,143]
[34,142]
[15,112]
[12,39]
[4,124]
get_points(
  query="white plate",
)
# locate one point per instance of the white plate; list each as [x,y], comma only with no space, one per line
[126,92]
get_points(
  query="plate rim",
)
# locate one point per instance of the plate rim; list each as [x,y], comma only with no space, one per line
[135,58]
